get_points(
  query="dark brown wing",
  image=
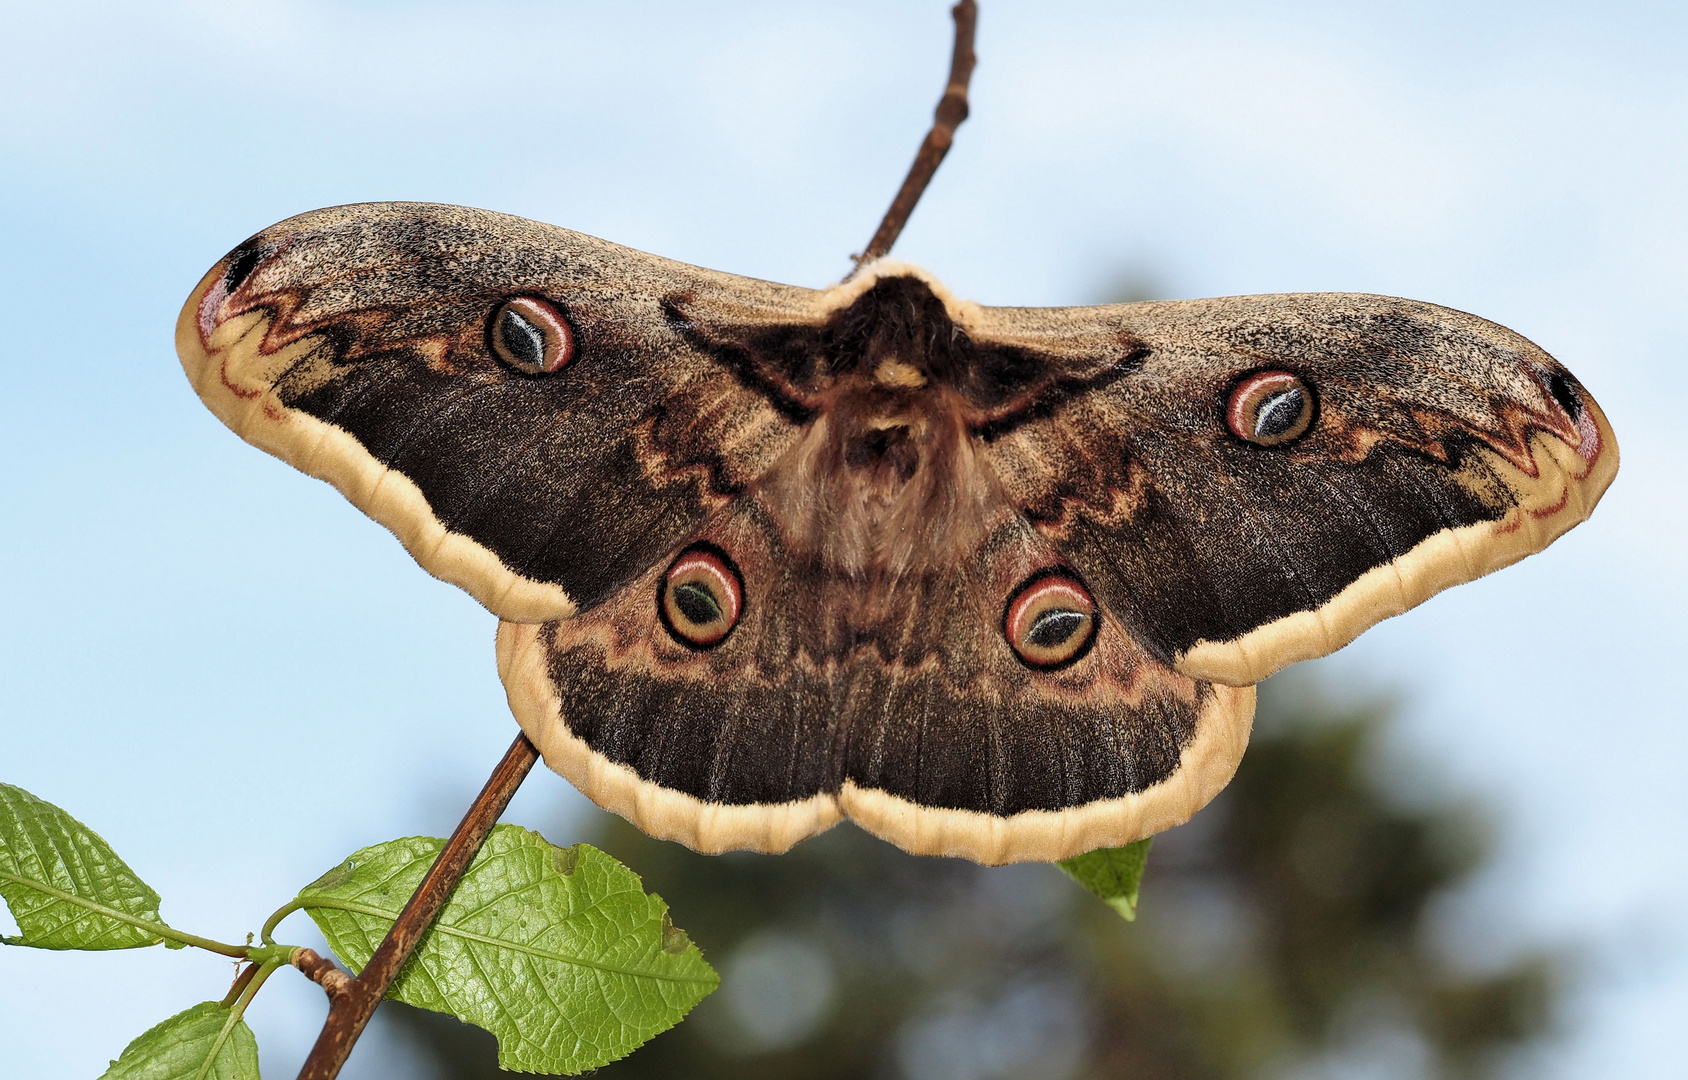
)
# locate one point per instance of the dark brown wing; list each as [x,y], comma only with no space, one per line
[358,344]
[896,703]
[355,344]
[875,474]
[1441,447]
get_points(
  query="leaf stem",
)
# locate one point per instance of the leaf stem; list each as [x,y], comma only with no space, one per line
[265,970]
[274,920]
[239,987]
[254,978]
[239,952]
[259,957]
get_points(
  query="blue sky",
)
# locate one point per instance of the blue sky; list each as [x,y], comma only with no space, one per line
[237,678]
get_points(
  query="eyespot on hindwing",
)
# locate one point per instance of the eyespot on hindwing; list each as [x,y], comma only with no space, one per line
[701,597]
[1051,620]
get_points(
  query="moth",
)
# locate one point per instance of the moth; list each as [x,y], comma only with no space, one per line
[991,582]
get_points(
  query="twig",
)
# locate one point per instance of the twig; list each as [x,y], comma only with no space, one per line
[351,1007]
[951,111]
[322,971]
[240,983]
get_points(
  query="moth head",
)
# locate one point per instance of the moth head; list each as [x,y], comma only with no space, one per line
[531,335]
[1270,408]
[702,597]
[1051,620]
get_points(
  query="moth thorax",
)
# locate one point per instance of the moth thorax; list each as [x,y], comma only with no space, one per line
[887,450]
[899,375]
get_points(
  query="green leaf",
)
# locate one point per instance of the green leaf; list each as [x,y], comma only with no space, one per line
[556,951]
[67,889]
[207,1042]
[1114,874]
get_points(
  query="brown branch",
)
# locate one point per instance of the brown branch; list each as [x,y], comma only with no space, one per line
[322,971]
[951,111]
[352,1001]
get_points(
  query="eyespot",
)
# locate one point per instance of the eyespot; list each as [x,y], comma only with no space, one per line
[1051,620]
[1270,408]
[702,597]
[531,336]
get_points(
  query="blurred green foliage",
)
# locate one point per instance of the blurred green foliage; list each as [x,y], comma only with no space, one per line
[1284,932]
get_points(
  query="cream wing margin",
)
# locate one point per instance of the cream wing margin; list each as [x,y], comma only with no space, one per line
[1205,767]
[660,812]
[1561,494]
[236,380]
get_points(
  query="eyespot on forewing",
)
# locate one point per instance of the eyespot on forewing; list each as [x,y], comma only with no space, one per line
[1270,408]
[531,335]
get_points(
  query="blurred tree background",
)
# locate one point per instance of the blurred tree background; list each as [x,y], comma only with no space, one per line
[1284,932]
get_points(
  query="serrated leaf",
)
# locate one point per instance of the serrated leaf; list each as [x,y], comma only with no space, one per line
[1114,874]
[207,1042]
[556,951]
[65,886]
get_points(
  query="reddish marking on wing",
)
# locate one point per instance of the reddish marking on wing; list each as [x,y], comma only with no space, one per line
[1588,437]
[223,375]
[1510,438]
[1549,511]
[1545,512]
[208,305]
